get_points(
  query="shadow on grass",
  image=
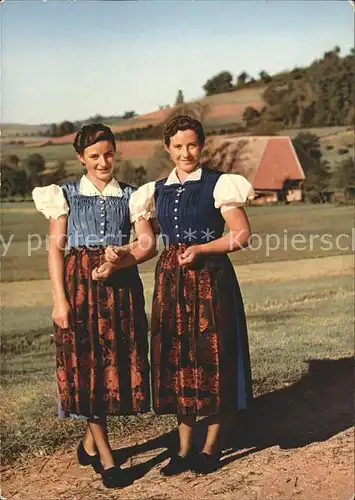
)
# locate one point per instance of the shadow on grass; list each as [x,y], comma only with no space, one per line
[313,409]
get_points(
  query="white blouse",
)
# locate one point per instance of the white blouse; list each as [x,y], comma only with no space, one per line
[50,200]
[231,191]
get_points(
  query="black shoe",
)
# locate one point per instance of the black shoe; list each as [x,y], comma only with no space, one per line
[114,477]
[85,459]
[176,465]
[205,464]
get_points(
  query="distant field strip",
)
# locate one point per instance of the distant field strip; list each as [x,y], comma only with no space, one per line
[38,292]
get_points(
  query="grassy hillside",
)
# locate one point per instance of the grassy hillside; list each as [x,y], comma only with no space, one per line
[303,99]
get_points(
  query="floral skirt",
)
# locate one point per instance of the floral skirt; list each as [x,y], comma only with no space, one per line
[102,358]
[199,348]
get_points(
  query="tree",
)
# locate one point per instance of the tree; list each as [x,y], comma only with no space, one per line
[129,114]
[179,98]
[53,131]
[346,173]
[97,118]
[11,160]
[127,172]
[242,78]
[194,110]
[251,115]
[265,77]
[33,166]
[35,162]
[316,170]
[222,82]
[65,128]
[13,181]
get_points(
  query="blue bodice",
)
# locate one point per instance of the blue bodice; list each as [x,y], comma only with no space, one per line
[186,212]
[97,220]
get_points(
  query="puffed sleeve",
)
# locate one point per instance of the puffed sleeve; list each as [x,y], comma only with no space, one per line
[141,202]
[51,201]
[232,191]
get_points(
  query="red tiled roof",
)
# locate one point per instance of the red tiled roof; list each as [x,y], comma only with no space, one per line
[278,164]
[267,162]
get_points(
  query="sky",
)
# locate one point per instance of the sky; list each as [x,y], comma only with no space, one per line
[70,59]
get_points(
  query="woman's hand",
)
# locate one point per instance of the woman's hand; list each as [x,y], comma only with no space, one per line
[190,256]
[61,314]
[103,272]
[114,254]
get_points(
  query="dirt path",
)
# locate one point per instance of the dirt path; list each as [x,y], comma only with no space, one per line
[295,443]
[317,471]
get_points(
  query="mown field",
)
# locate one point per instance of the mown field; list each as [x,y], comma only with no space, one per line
[299,306]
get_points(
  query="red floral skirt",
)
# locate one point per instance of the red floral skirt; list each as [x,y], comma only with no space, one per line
[199,348]
[102,358]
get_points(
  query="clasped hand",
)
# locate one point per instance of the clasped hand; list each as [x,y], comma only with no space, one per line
[190,256]
[113,256]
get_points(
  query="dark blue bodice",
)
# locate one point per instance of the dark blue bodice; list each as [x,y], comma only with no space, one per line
[186,212]
[97,220]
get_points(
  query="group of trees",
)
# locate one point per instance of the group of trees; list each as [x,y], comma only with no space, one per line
[319,95]
[223,82]
[63,128]
[141,133]
[20,177]
[320,175]
[127,172]
[67,127]
[316,170]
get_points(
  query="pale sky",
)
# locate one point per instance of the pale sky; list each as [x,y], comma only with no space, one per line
[74,59]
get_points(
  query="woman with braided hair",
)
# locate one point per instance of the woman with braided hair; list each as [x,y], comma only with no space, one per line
[199,345]
[100,326]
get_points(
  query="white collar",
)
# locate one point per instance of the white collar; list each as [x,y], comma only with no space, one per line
[87,188]
[174,179]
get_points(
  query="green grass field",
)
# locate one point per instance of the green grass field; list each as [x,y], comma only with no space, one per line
[59,152]
[299,306]
[274,227]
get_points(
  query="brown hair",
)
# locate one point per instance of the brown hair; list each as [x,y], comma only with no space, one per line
[183,122]
[91,134]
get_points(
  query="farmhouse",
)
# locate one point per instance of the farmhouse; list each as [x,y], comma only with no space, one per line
[269,163]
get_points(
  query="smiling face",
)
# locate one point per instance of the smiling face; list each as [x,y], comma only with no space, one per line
[99,161]
[185,150]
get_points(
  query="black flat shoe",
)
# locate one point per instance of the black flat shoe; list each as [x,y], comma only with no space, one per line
[176,465]
[205,464]
[85,459]
[114,477]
